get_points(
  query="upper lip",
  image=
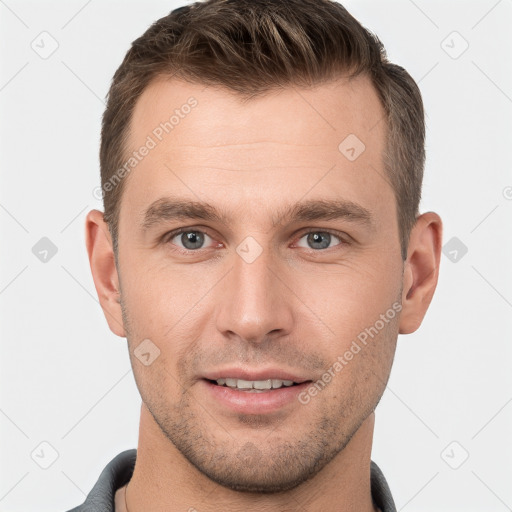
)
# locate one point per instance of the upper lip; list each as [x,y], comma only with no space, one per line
[263,374]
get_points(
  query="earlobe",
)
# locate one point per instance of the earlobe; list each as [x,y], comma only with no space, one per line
[104,271]
[421,270]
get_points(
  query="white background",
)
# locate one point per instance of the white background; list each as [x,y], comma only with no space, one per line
[65,379]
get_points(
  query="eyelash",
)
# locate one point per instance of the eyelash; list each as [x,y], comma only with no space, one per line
[172,234]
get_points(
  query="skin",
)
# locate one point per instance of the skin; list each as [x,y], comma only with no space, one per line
[295,307]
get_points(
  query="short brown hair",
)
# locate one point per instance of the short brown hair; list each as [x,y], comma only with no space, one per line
[254,46]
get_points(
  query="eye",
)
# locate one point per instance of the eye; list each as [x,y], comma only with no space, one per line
[194,240]
[190,239]
[318,240]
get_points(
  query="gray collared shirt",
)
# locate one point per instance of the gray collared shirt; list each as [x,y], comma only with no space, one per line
[119,470]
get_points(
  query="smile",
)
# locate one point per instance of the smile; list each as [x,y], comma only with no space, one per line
[254,385]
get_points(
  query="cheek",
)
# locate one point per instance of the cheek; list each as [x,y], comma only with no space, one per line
[158,295]
[164,305]
[349,297]
[361,365]
[362,314]
[158,385]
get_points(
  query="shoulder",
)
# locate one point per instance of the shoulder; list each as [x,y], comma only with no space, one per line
[381,493]
[115,475]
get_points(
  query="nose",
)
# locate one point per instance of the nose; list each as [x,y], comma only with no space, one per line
[255,304]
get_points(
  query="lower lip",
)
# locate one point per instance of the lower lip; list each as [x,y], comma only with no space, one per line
[247,402]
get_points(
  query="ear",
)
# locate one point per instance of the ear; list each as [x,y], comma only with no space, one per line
[421,270]
[104,271]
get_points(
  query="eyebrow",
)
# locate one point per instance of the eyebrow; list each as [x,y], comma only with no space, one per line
[168,209]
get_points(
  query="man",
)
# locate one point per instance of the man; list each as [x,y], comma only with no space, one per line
[261,249]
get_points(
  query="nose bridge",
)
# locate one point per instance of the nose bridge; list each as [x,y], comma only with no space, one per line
[254,303]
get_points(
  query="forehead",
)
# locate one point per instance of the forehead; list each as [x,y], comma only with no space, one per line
[207,143]
[319,115]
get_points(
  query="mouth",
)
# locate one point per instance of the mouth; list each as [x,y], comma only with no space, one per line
[254,386]
[262,396]
[254,390]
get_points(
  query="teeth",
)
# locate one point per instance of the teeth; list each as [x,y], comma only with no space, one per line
[262,384]
[244,384]
[254,384]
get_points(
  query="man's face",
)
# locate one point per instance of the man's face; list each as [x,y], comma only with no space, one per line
[257,293]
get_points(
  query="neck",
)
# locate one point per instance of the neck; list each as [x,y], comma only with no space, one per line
[164,480]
